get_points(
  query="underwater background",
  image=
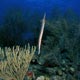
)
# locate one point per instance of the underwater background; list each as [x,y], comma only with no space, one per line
[31,11]
[21,22]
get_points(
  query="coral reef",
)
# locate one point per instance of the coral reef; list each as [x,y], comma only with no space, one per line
[16,62]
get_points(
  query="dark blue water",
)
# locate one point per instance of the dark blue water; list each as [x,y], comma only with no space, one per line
[39,5]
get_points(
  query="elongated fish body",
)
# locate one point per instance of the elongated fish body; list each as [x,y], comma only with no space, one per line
[41,34]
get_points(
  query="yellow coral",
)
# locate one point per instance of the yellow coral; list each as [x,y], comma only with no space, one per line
[16,63]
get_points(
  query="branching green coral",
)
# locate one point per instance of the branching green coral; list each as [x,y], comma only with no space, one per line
[17,62]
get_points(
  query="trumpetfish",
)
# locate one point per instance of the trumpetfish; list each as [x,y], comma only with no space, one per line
[41,33]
